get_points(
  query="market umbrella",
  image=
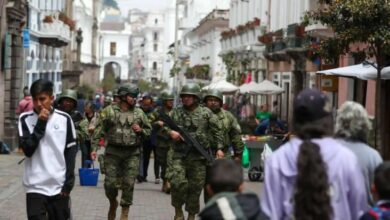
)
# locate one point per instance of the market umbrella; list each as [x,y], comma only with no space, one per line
[267,87]
[222,86]
[361,71]
[250,88]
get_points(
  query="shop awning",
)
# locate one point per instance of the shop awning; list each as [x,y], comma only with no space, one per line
[361,71]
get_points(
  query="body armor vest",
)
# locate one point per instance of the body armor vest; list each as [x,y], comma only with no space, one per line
[121,133]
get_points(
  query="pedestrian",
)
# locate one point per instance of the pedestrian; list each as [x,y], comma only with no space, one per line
[231,129]
[352,128]
[189,166]
[26,104]
[313,176]
[48,139]
[275,108]
[380,190]
[162,142]
[124,126]
[147,105]
[88,125]
[263,114]
[228,201]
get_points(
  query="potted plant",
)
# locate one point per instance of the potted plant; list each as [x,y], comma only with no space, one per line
[48,19]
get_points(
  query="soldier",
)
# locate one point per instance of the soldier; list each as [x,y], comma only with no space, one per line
[162,142]
[67,102]
[190,168]
[230,128]
[123,125]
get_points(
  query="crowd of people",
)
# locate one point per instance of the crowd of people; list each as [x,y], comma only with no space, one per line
[327,171]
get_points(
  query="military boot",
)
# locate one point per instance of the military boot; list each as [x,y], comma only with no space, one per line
[191,216]
[164,187]
[179,214]
[125,213]
[168,187]
[112,210]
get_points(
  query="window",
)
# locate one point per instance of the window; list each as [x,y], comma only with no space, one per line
[113,48]
[155,47]
[155,36]
[154,65]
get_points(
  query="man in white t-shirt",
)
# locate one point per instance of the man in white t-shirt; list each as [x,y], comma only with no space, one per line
[48,138]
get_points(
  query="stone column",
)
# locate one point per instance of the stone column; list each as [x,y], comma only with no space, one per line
[13,76]
[79,40]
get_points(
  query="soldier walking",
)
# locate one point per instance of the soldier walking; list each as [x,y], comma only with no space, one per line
[189,167]
[162,142]
[123,125]
[230,128]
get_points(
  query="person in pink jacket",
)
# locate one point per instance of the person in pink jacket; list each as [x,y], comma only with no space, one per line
[313,176]
[26,104]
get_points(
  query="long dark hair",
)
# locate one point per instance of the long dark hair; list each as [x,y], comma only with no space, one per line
[311,198]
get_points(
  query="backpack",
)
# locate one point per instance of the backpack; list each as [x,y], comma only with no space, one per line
[380,213]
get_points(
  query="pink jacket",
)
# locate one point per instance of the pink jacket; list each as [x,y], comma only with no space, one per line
[25,105]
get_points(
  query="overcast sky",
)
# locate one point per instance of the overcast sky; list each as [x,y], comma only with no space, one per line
[145,5]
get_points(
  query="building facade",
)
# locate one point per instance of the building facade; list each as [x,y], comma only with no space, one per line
[114,42]
[206,46]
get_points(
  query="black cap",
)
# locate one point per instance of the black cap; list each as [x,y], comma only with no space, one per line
[310,105]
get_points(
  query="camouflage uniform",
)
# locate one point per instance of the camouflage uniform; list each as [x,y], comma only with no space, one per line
[230,128]
[122,151]
[162,141]
[231,132]
[189,171]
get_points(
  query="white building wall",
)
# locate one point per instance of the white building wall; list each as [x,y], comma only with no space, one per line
[122,52]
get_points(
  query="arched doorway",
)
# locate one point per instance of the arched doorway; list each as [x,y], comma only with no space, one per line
[113,69]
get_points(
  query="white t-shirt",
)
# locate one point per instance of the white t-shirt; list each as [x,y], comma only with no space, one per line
[44,171]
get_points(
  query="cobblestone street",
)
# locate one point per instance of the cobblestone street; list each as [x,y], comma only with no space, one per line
[88,203]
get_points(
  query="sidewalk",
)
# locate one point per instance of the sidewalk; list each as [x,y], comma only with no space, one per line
[88,203]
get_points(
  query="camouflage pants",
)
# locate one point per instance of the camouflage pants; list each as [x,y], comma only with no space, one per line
[169,172]
[121,171]
[187,183]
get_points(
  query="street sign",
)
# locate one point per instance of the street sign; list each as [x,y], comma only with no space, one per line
[26,38]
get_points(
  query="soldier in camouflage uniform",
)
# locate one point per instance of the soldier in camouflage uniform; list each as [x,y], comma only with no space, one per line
[162,142]
[67,102]
[230,127]
[123,125]
[189,171]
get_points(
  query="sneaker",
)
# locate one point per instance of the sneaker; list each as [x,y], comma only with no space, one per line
[157,181]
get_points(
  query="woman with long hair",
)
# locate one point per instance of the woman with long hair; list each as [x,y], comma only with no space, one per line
[313,176]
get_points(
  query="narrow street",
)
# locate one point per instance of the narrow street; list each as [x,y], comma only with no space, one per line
[88,203]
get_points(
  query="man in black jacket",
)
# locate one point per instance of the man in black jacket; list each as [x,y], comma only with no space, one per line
[48,139]
[228,202]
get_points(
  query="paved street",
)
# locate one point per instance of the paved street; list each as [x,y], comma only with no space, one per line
[88,203]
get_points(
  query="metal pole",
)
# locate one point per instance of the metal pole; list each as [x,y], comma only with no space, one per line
[176,54]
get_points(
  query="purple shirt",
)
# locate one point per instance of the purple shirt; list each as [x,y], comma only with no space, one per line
[348,194]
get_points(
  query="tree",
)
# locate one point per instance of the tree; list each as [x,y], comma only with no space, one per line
[108,83]
[360,27]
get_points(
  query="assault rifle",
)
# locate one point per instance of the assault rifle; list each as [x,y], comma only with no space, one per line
[188,139]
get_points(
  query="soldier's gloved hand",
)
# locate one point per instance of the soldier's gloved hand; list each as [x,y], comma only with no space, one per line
[136,128]
[93,155]
[175,136]
[219,154]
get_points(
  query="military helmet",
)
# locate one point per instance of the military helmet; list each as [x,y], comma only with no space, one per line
[109,93]
[165,96]
[213,93]
[115,93]
[69,93]
[128,89]
[191,89]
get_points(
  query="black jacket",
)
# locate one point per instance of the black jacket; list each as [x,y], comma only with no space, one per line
[239,206]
